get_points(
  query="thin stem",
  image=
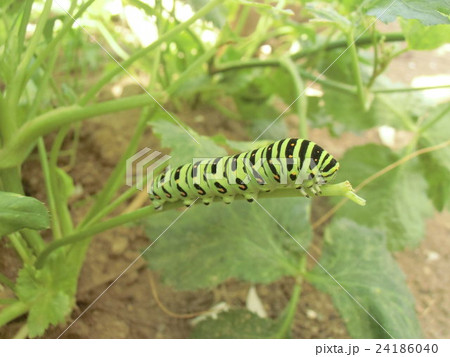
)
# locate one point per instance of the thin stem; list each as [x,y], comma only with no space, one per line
[21,247]
[143,52]
[373,177]
[301,103]
[56,227]
[286,326]
[339,189]
[22,143]
[433,121]
[12,312]
[408,89]
[5,281]
[360,89]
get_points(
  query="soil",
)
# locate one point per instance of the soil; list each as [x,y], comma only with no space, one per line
[128,309]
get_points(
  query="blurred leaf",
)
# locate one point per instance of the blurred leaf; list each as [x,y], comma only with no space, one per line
[420,37]
[49,292]
[18,212]
[436,165]
[214,243]
[430,12]
[183,147]
[397,203]
[357,258]
[236,324]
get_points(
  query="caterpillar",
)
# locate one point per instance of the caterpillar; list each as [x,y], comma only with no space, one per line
[286,163]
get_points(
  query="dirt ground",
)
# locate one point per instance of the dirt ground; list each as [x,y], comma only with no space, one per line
[129,308]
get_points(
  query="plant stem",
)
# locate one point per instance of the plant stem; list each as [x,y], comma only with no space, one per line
[56,228]
[20,247]
[5,281]
[339,189]
[408,89]
[163,38]
[22,143]
[360,89]
[286,326]
[12,312]
[434,120]
[301,103]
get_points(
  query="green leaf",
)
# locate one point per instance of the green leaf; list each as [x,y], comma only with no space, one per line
[49,293]
[397,203]
[326,13]
[429,12]
[211,244]
[183,147]
[436,165]
[18,212]
[420,37]
[357,258]
[235,324]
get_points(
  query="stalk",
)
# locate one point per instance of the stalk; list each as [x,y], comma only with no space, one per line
[12,312]
[23,142]
[340,189]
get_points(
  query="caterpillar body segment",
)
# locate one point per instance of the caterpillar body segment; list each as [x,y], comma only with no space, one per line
[287,163]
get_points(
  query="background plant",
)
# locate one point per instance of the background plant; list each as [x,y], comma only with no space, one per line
[209,57]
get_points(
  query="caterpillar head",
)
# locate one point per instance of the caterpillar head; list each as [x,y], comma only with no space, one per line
[328,169]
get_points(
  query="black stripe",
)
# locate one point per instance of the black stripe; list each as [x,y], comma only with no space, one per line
[303,149]
[327,168]
[289,153]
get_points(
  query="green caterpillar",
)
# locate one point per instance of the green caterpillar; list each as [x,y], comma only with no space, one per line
[285,163]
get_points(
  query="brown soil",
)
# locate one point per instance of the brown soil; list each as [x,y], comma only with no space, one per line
[129,309]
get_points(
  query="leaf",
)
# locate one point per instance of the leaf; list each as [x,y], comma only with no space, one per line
[420,37]
[436,165]
[18,212]
[236,324]
[430,12]
[49,292]
[397,203]
[211,244]
[183,147]
[357,258]
[328,14]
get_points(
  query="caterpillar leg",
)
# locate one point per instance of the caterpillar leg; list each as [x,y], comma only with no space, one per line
[303,192]
[187,202]
[228,199]
[250,197]
[207,200]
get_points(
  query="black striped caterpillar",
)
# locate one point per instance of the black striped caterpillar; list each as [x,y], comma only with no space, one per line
[286,163]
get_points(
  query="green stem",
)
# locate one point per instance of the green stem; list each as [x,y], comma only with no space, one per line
[21,247]
[301,103]
[434,120]
[5,281]
[408,89]
[361,41]
[143,52]
[19,80]
[252,63]
[289,313]
[12,312]
[23,142]
[360,89]
[56,227]
[339,189]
